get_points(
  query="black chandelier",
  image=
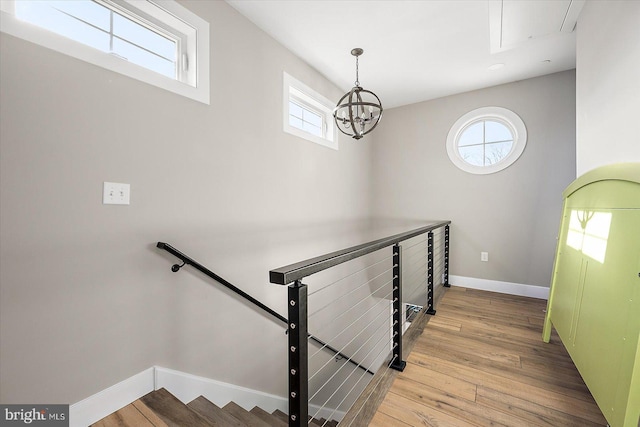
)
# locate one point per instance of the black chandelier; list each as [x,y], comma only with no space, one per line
[359,111]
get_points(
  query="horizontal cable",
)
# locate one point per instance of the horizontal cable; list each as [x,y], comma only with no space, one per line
[417,289]
[416,295]
[339,369]
[373,389]
[422,287]
[414,248]
[347,395]
[352,274]
[421,269]
[412,259]
[348,293]
[358,365]
[354,386]
[406,248]
[354,306]
[346,328]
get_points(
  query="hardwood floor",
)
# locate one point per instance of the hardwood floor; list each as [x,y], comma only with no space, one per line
[481,362]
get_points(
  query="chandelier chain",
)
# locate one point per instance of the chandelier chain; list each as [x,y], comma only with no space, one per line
[357,77]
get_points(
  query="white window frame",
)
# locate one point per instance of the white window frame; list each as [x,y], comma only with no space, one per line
[192,83]
[498,114]
[307,98]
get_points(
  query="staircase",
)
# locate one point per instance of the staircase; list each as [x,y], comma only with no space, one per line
[162,409]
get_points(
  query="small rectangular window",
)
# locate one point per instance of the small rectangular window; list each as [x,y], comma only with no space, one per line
[307,114]
[305,119]
[134,38]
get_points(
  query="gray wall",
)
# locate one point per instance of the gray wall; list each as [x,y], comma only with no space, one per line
[607,83]
[86,298]
[512,214]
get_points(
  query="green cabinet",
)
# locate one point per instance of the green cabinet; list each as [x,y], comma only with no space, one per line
[594,301]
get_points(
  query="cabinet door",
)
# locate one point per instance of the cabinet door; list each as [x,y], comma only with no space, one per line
[569,279]
[603,343]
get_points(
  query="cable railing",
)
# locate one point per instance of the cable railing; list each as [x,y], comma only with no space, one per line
[361,300]
[186,260]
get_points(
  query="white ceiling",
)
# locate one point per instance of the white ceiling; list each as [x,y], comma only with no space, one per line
[416,50]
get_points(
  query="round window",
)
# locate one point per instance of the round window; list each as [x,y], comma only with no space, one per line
[486,140]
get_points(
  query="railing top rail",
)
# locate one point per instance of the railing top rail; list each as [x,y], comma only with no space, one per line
[291,273]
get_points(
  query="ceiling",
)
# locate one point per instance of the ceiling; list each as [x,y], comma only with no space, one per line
[416,50]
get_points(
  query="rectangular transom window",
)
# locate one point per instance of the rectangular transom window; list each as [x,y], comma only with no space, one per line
[307,114]
[159,42]
[303,118]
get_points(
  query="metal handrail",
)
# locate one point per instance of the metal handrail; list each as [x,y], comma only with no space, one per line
[186,260]
[189,261]
[299,270]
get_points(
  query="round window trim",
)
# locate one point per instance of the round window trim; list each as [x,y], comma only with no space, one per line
[498,114]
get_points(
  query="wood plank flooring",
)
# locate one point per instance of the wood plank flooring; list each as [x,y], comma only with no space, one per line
[480,361]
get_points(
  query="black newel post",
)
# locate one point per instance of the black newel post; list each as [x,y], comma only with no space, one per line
[396,362]
[430,309]
[298,356]
[446,257]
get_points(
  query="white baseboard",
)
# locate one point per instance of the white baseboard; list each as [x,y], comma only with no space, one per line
[185,387]
[501,287]
[101,404]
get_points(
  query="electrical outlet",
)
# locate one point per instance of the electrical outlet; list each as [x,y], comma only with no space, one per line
[114,193]
[484,256]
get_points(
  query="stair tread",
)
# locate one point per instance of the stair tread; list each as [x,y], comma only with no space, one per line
[272,420]
[246,417]
[281,415]
[148,413]
[173,412]
[130,416]
[213,412]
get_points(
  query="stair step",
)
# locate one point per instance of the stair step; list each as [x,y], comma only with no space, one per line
[161,409]
[136,414]
[213,412]
[173,412]
[246,417]
[272,420]
[281,416]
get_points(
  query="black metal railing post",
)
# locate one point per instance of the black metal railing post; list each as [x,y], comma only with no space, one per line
[298,356]
[430,309]
[396,361]
[446,257]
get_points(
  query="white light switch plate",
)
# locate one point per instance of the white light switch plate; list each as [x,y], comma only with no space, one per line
[484,256]
[114,193]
